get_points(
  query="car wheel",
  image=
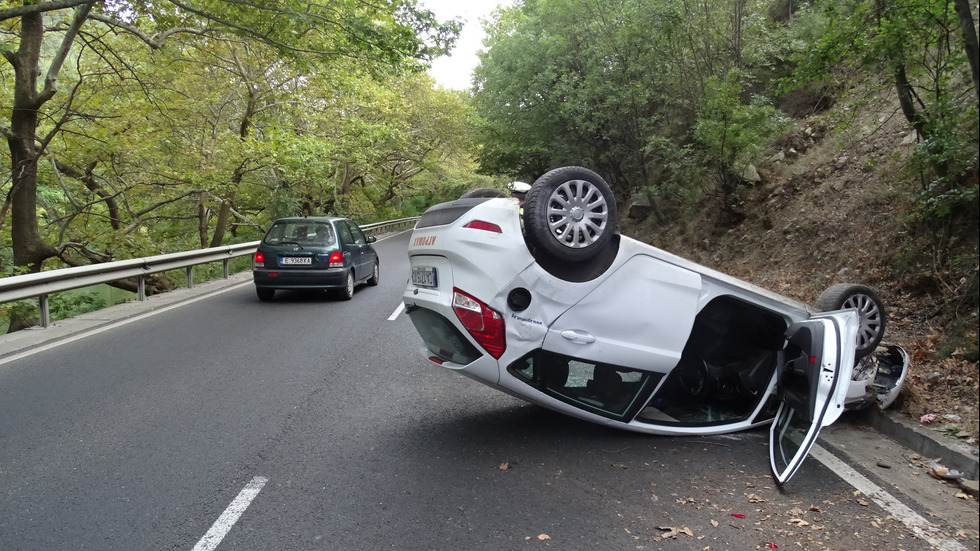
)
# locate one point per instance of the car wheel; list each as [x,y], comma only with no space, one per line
[375,275]
[347,292]
[265,294]
[483,192]
[869,307]
[570,214]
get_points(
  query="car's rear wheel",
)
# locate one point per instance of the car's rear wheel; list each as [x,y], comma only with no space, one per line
[570,214]
[347,292]
[375,275]
[870,310]
[265,294]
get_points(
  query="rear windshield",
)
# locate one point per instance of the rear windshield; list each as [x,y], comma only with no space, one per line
[303,232]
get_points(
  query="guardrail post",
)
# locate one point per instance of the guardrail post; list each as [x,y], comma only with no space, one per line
[141,288]
[224,267]
[190,276]
[45,313]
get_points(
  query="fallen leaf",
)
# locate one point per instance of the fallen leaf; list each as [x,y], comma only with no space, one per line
[755,499]
[671,532]
[962,495]
[714,523]
[738,515]
[798,522]
[815,509]
[543,537]
[504,466]
[863,502]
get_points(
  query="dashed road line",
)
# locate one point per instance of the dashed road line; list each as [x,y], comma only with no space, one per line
[228,518]
[401,306]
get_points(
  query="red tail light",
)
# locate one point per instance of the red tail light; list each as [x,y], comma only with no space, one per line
[485,324]
[259,258]
[485,226]
[336,260]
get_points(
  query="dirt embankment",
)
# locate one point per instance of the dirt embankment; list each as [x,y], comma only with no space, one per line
[834,207]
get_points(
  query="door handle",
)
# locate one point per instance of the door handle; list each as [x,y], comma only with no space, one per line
[578,336]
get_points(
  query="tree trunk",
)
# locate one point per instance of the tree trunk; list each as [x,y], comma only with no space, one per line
[203,213]
[970,42]
[28,247]
[224,213]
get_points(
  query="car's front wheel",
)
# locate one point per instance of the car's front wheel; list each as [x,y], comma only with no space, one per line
[570,214]
[870,310]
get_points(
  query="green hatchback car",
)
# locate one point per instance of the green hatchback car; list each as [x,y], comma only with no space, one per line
[314,253]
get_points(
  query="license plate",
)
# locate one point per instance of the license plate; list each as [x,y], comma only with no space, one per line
[295,261]
[423,276]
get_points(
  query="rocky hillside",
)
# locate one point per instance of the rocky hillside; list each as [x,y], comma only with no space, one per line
[834,206]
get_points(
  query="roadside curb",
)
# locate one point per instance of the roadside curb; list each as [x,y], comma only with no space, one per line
[955,455]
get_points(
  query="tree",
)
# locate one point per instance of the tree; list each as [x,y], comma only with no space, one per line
[730,134]
[613,85]
[393,33]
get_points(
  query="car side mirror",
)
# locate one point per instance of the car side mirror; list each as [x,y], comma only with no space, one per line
[372,239]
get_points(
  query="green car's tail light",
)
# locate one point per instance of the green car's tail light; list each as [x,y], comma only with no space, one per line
[485,324]
[259,258]
[336,260]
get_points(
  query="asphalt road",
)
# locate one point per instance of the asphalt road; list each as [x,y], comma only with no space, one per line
[314,423]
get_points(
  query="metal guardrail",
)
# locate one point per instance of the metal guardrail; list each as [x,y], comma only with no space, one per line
[42,284]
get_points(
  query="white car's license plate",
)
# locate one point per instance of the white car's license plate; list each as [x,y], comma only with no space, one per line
[295,261]
[423,276]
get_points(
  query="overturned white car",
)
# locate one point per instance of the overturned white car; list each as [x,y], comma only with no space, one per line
[555,307]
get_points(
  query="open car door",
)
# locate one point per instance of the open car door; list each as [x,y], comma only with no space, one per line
[815,367]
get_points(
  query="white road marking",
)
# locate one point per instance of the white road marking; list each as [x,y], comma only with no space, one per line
[401,306]
[886,501]
[228,519]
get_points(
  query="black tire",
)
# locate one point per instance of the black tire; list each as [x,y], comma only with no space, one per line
[265,294]
[483,192]
[347,292]
[570,214]
[375,275]
[870,309]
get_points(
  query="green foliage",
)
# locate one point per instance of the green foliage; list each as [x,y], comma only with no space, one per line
[303,113]
[67,305]
[732,133]
[580,82]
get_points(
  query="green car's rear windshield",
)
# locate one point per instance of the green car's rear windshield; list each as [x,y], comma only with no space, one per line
[303,232]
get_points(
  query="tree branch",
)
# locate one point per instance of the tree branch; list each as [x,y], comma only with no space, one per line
[40,7]
[51,79]
[156,41]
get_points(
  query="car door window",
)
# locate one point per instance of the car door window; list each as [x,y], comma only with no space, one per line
[608,390]
[345,236]
[358,235]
